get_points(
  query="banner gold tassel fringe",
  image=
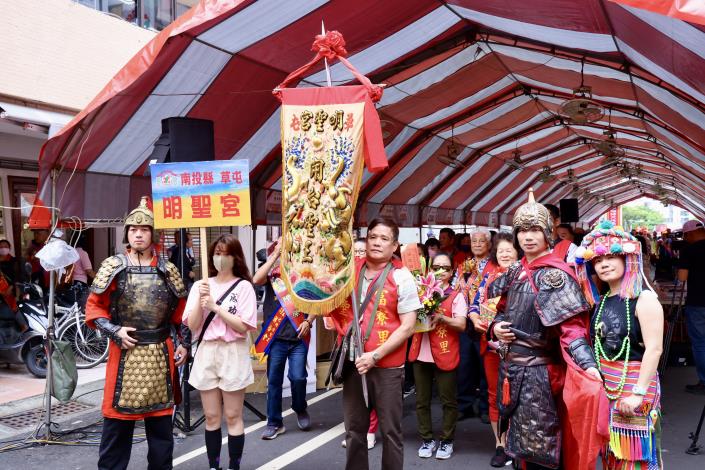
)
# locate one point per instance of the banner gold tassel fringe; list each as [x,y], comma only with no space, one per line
[321,307]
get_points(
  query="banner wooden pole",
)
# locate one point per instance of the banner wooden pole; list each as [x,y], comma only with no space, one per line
[204,252]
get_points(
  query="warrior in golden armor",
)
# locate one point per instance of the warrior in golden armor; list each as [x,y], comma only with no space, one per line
[135,299]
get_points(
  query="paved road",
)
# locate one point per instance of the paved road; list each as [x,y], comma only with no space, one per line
[320,448]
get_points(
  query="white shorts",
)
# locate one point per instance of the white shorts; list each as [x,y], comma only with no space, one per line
[223,365]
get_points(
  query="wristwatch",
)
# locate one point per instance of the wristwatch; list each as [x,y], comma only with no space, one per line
[376,357]
[636,390]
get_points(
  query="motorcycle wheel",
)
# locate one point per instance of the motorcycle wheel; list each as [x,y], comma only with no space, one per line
[89,351]
[36,360]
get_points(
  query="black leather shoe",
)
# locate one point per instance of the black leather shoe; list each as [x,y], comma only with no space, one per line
[500,459]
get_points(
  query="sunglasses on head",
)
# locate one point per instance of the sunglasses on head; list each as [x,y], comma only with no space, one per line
[437,267]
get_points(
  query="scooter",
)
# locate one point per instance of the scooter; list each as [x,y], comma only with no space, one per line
[18,347]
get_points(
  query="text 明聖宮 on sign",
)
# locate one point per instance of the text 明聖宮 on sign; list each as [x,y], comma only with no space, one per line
[201,194]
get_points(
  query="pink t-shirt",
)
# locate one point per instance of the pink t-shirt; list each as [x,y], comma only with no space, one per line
[241,301]
[458,309]
[81,266]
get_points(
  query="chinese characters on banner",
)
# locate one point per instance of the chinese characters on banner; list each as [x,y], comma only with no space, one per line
[201,194]
[322,155]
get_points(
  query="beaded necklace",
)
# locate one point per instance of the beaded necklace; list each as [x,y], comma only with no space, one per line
[624,350]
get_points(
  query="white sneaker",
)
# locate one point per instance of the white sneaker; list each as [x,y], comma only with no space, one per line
[445,450]
[344,443]
[427,448]
[371,440]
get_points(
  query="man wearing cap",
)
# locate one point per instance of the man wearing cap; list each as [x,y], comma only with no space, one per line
[692,269]
[135,298]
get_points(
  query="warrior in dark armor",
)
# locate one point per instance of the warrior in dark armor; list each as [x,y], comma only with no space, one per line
[135,298]
[627,333]
[542,323]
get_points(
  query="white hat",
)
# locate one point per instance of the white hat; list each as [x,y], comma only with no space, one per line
[692,225]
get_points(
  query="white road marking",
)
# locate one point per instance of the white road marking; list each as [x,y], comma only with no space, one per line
[304,449]
[202,450]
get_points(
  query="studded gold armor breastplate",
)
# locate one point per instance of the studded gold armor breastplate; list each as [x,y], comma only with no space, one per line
[143,299]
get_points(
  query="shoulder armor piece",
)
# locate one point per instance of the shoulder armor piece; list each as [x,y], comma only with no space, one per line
[553,279]
[173,278]
[559,296]
[109,268]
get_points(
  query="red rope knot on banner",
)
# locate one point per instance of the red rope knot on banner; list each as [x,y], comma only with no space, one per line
[330,45]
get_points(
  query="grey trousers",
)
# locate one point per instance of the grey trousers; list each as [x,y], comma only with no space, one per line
[385,393]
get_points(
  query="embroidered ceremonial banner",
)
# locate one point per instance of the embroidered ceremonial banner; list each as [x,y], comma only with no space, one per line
[326,133]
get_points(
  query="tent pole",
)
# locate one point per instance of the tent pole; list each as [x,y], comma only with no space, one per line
[50,321]
[325,61]
[254,248]
[420,214]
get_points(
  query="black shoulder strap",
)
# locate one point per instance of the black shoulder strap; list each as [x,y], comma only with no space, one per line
[211,315]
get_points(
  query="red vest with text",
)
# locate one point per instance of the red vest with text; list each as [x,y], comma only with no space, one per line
[445,342]
[386,319]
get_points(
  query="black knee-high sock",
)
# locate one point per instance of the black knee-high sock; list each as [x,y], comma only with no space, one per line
[236,444]
[213,441]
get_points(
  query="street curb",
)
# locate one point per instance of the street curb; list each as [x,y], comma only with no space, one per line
[29,403]
[83,393]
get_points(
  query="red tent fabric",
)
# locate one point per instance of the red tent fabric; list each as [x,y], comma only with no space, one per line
[688,10]
[480,81]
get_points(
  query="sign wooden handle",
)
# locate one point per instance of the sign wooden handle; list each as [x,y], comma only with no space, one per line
[204,253]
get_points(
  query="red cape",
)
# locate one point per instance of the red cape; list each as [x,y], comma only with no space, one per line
[584,418]
[561,249]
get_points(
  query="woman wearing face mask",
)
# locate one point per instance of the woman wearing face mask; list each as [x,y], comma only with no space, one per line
[627,333]
[503,255]
[435,355]
[221,367]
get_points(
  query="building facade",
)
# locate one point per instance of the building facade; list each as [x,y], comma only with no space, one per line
[57,55]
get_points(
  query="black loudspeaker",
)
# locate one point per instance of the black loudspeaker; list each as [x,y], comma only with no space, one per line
[184,140]
[569,210]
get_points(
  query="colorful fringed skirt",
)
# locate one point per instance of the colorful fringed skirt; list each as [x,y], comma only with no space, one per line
[635,440]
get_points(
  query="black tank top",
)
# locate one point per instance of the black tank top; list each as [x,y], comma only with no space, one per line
[613,327]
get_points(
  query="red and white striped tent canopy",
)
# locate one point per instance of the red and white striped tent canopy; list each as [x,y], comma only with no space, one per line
[487,75]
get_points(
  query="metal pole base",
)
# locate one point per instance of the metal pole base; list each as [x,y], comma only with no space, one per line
[694,448]
[184,422]
[257,412]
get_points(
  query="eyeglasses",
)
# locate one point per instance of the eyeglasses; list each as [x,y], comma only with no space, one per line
[436,267]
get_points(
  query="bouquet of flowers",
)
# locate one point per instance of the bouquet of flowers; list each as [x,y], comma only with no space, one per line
[432,296]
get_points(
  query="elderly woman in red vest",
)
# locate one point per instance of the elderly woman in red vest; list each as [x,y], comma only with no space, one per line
[437,354]
[481,313]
